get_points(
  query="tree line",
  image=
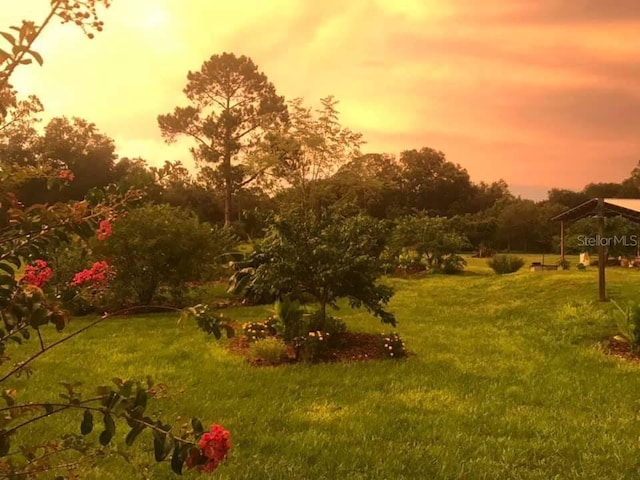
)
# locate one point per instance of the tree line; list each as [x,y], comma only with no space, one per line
[258,154]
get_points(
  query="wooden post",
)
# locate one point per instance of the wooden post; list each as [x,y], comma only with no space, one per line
[601,259]
[562,241]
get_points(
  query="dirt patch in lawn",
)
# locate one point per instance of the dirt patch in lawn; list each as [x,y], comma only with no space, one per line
[621,349]
[350,346]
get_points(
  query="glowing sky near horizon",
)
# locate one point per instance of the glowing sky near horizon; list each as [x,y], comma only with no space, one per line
[541,93]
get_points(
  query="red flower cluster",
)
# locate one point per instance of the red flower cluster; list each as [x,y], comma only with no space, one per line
[67,175]
[214,447]
[97,274]
[104,230]
[37,274]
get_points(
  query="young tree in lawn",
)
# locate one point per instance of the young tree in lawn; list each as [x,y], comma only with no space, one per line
[233,105]
[331,257]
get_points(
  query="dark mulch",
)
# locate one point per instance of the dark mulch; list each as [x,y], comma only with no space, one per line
[351,347]
[621,349]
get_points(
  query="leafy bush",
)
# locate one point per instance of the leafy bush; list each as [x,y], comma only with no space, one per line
[432,238]
[326,258]
[271,350]
[313,346]
[394,346]
[581,266]
[453,263]
[160,245]
[502,263]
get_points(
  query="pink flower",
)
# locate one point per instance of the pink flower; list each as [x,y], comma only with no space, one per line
[97,274]
[37,274]
[214,447]
[66,175]
[104,230]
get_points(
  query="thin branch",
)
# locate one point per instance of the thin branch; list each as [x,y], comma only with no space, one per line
[103,410]
[13,332]
[42,347]
[49,347]
[9,71]
[253,177]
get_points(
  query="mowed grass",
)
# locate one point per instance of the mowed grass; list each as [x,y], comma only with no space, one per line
[498,387]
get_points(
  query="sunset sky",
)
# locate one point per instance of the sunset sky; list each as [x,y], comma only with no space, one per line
[541,93]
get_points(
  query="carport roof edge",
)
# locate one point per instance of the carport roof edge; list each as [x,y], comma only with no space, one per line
[628,208]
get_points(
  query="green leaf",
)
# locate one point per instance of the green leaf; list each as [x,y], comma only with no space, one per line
[198,429]
[87,423]
[141,398]
[7,268]
[5,444]
[177,460]
[133,434]
[109,424]
[105,438]
[159,446]
[9,38]
[37,56]
[216,332]
[229,330]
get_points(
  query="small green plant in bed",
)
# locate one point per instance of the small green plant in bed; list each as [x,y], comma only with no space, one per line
[629,325]
[394,346]
[271,351]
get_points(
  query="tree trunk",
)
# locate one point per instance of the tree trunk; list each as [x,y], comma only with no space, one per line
[228,189]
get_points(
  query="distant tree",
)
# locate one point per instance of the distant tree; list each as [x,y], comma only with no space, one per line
[433,184]
[486,195]
[311,147]
[372,182]
[630,187]
[433,238]
[524,225]
[232,106]
[135,173]
[78,146]
[19,138]
[568,198]
[606,190]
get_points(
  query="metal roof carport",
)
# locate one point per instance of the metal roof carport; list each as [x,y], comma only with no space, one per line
[601,208]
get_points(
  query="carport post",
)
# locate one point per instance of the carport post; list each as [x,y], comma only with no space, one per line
[601,247]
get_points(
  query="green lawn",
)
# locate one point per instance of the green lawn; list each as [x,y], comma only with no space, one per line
[501,386]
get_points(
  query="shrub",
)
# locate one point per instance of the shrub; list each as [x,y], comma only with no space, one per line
[313,346]
[432,238]
[160,245]
[270,350]
[581,266]
[502,264]
[453,263]
[394,346]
